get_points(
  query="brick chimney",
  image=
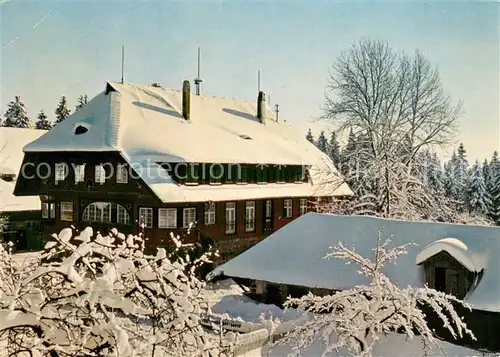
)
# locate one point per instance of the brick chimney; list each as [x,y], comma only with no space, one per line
[261,107]
[186,100]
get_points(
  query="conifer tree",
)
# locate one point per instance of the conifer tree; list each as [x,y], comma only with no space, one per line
[494,189]
[16,115]
[460,167]
[322,143]
[434,174]
[62,111]
[486,172]
[42,122]
[334,149]
[349,157]
[478,198]
[449,184]
[81,101]
[309,136]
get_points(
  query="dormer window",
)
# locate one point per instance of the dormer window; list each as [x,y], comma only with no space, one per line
[61,172]
[448,267]
[121,174]
[79,173]
[80,129]
[100,174]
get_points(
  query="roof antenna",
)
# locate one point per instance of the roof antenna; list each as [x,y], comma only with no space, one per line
[258,80]
[123,59]
[276,110]
[198,80]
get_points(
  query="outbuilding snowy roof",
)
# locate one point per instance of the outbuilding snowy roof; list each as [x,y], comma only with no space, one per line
[12,141]
[145,124]
[294,254]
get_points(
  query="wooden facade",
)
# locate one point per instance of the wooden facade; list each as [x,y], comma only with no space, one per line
[24,229]
[444,273]
[129,205]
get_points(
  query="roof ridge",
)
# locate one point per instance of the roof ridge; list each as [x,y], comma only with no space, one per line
[113,129]
[146,88]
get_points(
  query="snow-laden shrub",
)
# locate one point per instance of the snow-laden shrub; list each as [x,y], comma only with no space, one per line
[94,295]
[356,318]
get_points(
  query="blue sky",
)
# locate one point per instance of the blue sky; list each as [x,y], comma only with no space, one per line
[68,48]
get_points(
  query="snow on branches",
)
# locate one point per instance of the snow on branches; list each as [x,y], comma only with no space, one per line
[355,319]
[95,295]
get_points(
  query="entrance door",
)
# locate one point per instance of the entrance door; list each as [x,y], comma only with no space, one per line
[440,279]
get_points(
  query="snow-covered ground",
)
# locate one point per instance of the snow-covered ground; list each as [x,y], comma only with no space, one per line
[390,346]
[227,300]
[233,304]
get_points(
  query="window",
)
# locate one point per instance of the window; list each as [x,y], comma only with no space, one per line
[230,217]
[215,172]
[233,172]
[48,210]
[79,173]
[61,172]
[104,212]
[303,206]
[192,174]
[66,211]
[243,177]
[97,212]
[167,218]
[122,216]
[121,174]
[287,207]
[279,173]
[268,215]
[146,217]
[299,174]
[188,217]
[250,216]
[100,174]
[209,213]
[261,173]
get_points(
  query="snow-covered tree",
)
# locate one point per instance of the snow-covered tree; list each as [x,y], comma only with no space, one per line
[478,199]
[42,121]
[81,101]
[348,156]
[461,173]
[396,104]
[16,115]
[356,318]
[62,111]
[94,295]
[309,136]
[4,221]
[494,189]
[334,149]
[322,142]
[435,174]
[486,173]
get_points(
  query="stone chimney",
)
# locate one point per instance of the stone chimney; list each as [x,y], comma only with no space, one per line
[186,100]
[261,107]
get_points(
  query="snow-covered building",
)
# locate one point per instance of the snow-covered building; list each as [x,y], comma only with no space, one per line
[455,258]
[140,157]
[23,213]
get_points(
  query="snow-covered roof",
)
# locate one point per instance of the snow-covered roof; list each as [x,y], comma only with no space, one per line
[145,124]
[12,141]
[294,254]
[454,247]
[11,203]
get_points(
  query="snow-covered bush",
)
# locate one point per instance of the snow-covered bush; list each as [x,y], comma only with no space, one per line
[95,295]
[4,221]
[355,319]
